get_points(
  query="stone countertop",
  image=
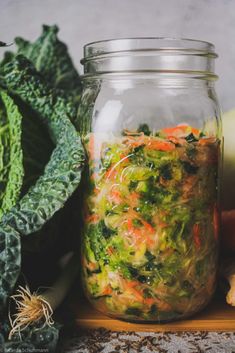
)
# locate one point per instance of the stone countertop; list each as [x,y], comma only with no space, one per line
[77,337]
[105,341]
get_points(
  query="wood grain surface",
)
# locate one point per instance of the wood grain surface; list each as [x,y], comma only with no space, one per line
[217,316]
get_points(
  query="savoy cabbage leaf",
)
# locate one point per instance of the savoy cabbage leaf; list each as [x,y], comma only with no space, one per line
[11,158]
[36,143]
[51,58]
[62,173]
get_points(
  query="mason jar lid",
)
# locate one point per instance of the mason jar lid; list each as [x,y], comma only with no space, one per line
[164,55]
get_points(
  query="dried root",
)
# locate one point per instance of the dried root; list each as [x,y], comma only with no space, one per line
[31,307]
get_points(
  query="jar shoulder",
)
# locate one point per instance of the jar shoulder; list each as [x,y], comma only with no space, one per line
[114,107]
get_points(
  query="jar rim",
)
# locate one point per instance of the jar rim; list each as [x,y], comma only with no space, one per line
[149,54]
[105,47]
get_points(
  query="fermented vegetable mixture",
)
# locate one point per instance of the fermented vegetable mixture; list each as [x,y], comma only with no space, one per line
[151,222]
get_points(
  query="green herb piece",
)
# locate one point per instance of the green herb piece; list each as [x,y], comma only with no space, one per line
[133,185]
[145,129]
[166,172]
[136,222]
[106,231]
[191,138]
[132,271]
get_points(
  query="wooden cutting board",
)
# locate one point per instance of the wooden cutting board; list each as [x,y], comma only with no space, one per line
[217,316]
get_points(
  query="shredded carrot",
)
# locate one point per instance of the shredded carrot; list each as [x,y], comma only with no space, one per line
[110,173]
[129,225]
[206,141]
[176,131]
[133,199]
[110,250]
[180,131]
[195,131]
[177,140]
[107,291]
[92,266]
[136,141]
[149,301]
[131,287]
[150,242]
[148,226]
[162,224]
[96,190]
[160,145]
[131,284]
[124,156]
[137,294]
[134,196]
[93,218]
[116,195]
[137,232]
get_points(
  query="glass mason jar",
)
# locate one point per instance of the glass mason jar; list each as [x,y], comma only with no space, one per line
[150,124]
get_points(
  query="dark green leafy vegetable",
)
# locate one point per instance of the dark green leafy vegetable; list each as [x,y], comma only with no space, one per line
[62,173]
[10,258]
[50,57]
[34,338]
[145,129]
[41,158]
[191,138]
[11,165]
[18,347]
[37,145]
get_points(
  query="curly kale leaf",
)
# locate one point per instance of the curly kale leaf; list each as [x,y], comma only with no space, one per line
[51,58]
[10,260]
[37,145]
[61,175]
[11,159]
[63,172]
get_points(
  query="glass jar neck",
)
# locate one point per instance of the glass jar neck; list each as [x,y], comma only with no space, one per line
[150,56]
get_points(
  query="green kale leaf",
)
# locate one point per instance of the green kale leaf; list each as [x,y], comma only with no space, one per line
[61,175]
[11,159]
[63,172]
[50,57]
